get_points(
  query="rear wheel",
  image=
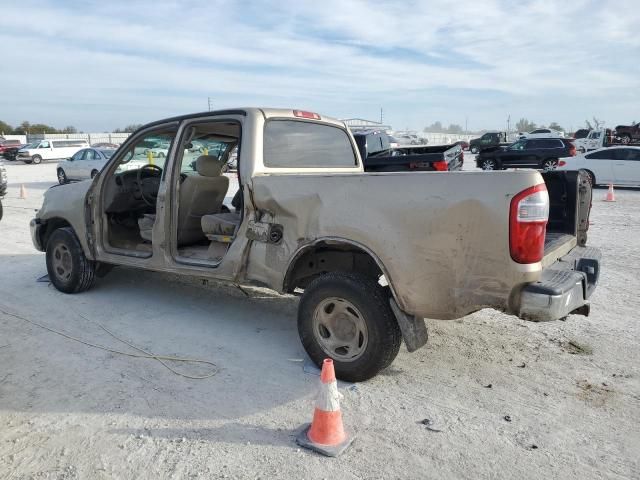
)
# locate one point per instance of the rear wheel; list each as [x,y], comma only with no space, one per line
[36,159]
[347,317]
[549,164]
[62,177]
[625,138]
[591,177]
[474,149]
[488,164]
[70,271]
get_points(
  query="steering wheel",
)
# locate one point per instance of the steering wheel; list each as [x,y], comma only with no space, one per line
[148,183]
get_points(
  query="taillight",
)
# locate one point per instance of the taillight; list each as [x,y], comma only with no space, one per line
[561,163]
[528,216]
[441,166]
[572,151]
[303,114]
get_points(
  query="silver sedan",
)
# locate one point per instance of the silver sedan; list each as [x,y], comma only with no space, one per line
[84,165]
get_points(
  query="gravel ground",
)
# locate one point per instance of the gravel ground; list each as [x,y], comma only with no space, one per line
[511,399]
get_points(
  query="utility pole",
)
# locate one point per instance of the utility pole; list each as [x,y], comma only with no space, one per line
[209,102]
[508,125]
[466,125]
[381,116]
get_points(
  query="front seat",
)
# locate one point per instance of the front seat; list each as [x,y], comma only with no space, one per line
[200,195]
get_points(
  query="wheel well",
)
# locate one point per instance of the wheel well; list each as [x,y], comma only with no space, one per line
[593,176]
[324,257]
[49,227]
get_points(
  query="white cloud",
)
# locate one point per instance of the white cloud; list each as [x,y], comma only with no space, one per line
[422,61]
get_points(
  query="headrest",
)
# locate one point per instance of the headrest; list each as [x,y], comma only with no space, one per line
[209,166]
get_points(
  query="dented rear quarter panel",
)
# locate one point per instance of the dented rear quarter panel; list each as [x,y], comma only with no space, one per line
[442,238]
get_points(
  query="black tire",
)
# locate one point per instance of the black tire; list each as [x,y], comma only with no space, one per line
[62,177]
[625,138]
[1,210]
[37,159]
[72,271]
[489,164]
[591,176]
[549,164]
[93,174]
[382,340]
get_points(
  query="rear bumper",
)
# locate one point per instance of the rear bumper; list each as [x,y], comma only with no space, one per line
[564,287]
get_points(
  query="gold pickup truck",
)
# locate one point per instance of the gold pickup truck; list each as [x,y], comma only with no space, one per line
[372,254]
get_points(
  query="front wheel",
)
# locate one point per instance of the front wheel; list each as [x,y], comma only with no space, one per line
[62,177]
[347,317]
[70,271]
[36,159]
[625,138]
[474,149]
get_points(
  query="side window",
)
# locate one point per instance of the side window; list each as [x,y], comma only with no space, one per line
[151,148]
[89,154]
[299,144]
[634,155]
[44,145]
[532,144]
[78,155]
[600,155]
[215,140]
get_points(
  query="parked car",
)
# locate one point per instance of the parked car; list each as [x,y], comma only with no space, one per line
[7,144]
[409,139]
[11,152]
[615,165]
[628,133]
[464,145]
[595,140]
[84,164]
[378,155]
[3,187]
[489,139]
[543,133]
[311,220]
[542,153]
[50,150]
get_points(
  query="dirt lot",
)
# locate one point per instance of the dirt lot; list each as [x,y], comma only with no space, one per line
[512,399]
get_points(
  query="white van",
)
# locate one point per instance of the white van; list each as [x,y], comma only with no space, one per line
[50,150]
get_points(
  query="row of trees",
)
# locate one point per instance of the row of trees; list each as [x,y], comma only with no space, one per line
[437,127]
[26,128]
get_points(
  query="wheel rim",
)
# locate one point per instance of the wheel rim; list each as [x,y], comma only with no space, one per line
[548,165]
[61,176]
[625,139]
[61,260]
[340,329]
[488,165]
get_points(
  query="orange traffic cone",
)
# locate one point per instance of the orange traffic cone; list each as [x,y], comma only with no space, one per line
[611,197]
[326,433]
[23,191]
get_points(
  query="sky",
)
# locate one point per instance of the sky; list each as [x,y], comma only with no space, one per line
[103,65]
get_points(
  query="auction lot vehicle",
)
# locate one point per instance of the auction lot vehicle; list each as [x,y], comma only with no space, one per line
[10,153]
[378,155]
[543,133]
[489,139]
[628,133]
[616,165]
[84,164]
[3,186]
[542,153]
[7,144]
[50,150]
[372,254]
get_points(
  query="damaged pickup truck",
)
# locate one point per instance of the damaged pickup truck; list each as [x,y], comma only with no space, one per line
[372,254]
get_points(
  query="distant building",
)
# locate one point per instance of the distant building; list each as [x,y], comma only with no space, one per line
[356,124]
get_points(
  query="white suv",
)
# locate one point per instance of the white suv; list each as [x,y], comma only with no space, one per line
[50,150]
[543,133]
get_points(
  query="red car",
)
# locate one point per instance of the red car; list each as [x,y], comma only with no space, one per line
[5,144]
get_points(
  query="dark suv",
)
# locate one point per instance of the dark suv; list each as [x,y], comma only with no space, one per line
[542,153]
[628,133]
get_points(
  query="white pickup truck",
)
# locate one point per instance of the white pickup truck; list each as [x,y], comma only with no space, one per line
[372,254]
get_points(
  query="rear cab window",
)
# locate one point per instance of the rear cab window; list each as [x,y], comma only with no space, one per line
[294,144]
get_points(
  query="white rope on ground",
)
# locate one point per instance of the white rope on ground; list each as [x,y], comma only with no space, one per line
[145,354]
